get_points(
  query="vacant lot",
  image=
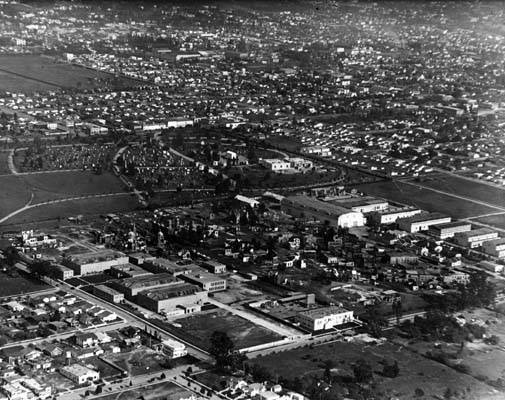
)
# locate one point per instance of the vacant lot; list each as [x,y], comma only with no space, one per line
[494,220]
[50,186]
[165,390]
[139,362]
[86,207]
[241,331]
[464,187]
[12,285]
[415,370]
[15,83]
[198,329]
[30,73]
[425,199]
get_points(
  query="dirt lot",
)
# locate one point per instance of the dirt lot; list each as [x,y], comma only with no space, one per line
[199,329]
[237,292]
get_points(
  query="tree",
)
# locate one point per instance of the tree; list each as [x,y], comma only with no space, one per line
[419,392]
[41,268]
[221,348]
[362,371]
[328,365]
[260,373]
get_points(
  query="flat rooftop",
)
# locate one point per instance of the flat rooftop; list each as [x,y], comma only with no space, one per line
[204,277]
[96,256]
[317,205]
[425,217]
[180,289]
[450,225]
[148,280]
[324,311]
[476,232]
[107,289]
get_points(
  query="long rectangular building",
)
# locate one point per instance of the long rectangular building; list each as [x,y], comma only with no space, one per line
[305,206]
[132,286]
[170,297]
[391,216]
[475,237]
[445,231]
[422,222]
[95,262]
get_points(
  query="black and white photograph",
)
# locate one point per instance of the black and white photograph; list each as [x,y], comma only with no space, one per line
[252,200]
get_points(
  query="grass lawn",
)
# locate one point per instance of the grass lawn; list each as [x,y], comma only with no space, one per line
[164,390]
[30,73]
[415,370]
[10,286]
[425,199]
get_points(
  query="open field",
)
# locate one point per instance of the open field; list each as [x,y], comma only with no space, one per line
[464,187]
[494,220]
[415,370]
[14,83]
[425,199]
[51,186]
[53,213]
[16,285]
[198,329]
[30,73]
[243,332]
[164,390]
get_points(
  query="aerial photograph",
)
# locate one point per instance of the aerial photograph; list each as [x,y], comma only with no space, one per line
[252,200]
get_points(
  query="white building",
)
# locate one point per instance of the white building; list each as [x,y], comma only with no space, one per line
[324,318]
[275,164]
[422,222]
[304,206]
[390,217]
[79,373]
[15,391]
[173,348]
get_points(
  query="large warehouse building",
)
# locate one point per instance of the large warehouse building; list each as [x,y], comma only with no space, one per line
[305,206]
[170,297]
[95,262]
[132,286]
